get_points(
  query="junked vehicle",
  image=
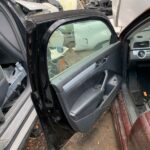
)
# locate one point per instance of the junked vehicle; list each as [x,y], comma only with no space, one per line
[80,72]
[77,64]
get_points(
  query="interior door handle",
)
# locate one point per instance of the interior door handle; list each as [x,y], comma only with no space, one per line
[105,81]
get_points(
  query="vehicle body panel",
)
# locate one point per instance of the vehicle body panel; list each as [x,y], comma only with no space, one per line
[50,99]
[140,133]
[121,122]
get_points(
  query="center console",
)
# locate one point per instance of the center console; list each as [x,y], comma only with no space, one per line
[140,50]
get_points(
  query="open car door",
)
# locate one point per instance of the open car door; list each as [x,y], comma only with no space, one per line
[75,67]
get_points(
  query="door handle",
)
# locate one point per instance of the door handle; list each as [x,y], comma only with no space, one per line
[105,81]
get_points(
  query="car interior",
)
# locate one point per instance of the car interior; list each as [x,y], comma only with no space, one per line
[138,74]
[75,44]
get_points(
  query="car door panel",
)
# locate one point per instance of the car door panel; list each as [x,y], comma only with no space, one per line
[84,89]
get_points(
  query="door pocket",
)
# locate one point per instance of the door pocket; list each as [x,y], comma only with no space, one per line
[94,98]
[91,98]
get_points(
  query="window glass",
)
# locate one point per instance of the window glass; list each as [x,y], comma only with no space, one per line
[73,42]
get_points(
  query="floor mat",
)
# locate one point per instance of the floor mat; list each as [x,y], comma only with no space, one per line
[138,98]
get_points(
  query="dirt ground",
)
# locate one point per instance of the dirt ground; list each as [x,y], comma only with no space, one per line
[101,137]
[36,141]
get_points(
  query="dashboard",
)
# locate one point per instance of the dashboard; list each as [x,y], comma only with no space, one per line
[140,46]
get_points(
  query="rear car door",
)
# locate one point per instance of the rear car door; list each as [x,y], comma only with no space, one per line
[75,67]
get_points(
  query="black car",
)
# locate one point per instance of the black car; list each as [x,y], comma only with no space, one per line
[77,64]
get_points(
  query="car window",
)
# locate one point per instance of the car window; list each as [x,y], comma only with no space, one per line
[73,42]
